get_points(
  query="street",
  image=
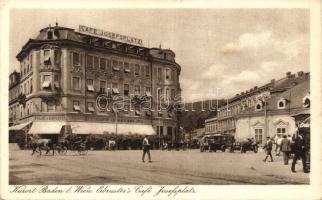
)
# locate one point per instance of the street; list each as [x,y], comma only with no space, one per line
[168,167]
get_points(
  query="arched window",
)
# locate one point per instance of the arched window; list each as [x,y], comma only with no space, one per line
[281,104]
[49,35]
[306,102]
[259,106]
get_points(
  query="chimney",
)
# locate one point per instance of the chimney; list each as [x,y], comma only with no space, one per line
[255,88]
[300,73]
[288,74]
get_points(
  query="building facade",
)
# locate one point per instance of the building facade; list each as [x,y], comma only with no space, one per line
[74,80]
[254,98]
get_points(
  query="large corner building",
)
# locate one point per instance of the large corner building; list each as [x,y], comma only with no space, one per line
[63,72]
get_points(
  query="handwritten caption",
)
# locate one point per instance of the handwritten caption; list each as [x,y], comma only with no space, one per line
[141,190]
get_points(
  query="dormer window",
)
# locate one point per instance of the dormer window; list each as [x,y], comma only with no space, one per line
[259,106]
[306,102]
[281,104]
[49,35]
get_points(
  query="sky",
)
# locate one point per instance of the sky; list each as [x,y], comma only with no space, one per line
[221,51]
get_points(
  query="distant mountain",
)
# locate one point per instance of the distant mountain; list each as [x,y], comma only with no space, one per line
[196,112]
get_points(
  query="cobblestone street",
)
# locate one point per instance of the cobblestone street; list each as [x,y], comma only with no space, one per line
[168,167]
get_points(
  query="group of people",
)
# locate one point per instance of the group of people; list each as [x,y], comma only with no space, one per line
[288,145]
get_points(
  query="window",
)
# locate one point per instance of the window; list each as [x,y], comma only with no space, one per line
[76,59]
[167,92]
[258,107]
[306,102]
[49,35]
[102,87]
[90,85]
[76,83]
[115,65]
[89,61]
[259,135]
[96,62]
[115,89]
[56,81]
[142,70]
[30,61]
[127,68]
[281,131]
[108,65]
[281,104]
[90,107]
[173,93]
[167,74]
[56,57]
[137,70]
[102,64]
[169,130]
[159,74]
[47,57]
[148,92]
[120,65]
[76,106]
[147,70]
[137,90]
[46,82]
[126,89]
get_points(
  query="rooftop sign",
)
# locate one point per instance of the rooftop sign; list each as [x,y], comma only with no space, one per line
[110,35]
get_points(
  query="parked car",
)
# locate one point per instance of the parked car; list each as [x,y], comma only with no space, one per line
[249,145]
[215,142]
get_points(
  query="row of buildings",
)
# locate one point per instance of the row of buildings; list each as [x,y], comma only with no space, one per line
[276,108]
[63,73]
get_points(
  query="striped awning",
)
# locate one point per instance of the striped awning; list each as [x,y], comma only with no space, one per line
[100,128]
[46,127]
[18,126]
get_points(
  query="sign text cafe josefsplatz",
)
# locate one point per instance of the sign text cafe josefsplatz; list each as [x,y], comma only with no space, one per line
[110,35]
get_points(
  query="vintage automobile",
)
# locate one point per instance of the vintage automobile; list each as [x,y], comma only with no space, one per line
[248,145]
[215,142]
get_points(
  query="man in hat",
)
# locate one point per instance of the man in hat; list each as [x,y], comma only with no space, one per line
[146,149]
[268,146]
[299,152]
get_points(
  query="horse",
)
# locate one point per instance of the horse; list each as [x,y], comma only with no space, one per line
[40,144]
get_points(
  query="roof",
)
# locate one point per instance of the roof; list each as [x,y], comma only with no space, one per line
[294,101]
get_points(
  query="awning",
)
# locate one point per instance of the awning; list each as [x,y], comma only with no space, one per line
[100,128]
[19,126]
[46,127]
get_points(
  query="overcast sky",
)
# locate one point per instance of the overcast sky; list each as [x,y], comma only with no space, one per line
[229,49]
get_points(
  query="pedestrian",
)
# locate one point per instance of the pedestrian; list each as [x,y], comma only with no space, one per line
[268,147]
[299,152]
[146,149]
[285,148]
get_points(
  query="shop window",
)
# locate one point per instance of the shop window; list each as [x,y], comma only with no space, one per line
[169,130]
[90,107]
[127,68]
[90,85]
[126,89]
[137,70]
[76,83]
[103,64]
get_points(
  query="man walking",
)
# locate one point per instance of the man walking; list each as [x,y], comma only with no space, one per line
[146,149]
[299,152]
[268,146]
[285,148]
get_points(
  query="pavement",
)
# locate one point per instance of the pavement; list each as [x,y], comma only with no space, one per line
[167,167]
